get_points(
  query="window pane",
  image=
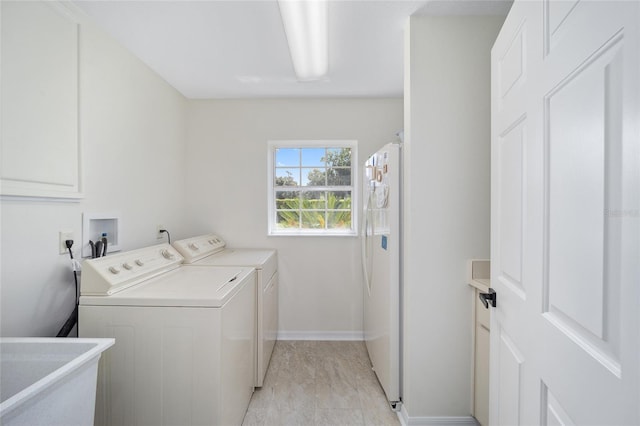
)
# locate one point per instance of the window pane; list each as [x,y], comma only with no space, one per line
[338,219]
[286,157]
[313,157]
[340,157]
[287,177]
[312,219]
[314,177]
[314,200]
[287,200]
[288,219]
[339,176]
[339,200]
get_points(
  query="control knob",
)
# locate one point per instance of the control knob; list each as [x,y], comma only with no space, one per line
[139,262]
[193,246]
[114,269]
[127,266]
[167,254]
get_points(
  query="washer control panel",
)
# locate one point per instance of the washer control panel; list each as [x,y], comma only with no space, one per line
[108,275]
[194,249]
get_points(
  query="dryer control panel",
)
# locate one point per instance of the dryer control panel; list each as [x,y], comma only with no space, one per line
[196,248]
[108,275]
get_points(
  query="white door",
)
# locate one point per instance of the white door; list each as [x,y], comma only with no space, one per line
[566,215]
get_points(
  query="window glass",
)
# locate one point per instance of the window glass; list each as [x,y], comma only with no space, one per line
[313,157]
[287,157]
[287,177]
[314,177]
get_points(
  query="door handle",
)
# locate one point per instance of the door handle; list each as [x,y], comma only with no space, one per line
[490,297]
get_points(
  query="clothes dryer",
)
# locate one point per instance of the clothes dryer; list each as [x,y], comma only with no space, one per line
[185,338]
[211,250]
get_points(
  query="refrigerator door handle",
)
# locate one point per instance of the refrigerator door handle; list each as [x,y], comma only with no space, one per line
[365,249]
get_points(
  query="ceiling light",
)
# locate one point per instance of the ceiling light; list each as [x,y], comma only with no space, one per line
[305,23]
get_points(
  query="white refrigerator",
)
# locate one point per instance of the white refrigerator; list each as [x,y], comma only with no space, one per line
[381,265]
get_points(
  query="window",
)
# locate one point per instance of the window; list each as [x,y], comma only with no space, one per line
[312,187]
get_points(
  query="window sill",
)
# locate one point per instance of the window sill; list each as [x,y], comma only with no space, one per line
[311,234]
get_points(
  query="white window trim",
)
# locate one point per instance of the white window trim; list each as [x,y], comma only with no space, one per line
[355,187]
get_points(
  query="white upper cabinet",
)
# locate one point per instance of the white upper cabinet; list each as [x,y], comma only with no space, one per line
[40,147]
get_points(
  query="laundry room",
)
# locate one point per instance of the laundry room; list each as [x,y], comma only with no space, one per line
[113,124]
[153,157]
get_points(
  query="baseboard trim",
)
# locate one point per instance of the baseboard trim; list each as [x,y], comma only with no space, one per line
[407,420]
[320,335]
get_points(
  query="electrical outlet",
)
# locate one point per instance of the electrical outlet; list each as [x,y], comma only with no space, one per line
[158,233]
[64,236]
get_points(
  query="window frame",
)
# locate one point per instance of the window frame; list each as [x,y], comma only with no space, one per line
[273,145]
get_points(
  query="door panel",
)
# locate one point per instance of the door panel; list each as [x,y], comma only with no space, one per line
[556,13]
[565,214]
[510,67]
[511,366]
[577,140]
[511,162]
[553,414]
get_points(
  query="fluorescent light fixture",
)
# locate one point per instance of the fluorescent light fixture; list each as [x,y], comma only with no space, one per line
[305,23]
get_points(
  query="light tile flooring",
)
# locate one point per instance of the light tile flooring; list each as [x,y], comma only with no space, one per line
[319,383]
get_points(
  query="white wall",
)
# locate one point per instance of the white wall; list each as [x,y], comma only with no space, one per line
[320,277]
[133,128]
[447,199]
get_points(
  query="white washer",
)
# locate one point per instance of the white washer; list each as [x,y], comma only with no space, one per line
[185,338]
[209,250]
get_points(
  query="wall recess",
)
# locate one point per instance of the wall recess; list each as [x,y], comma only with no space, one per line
[94,225]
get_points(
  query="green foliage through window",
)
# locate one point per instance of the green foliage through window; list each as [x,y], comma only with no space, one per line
[316,213]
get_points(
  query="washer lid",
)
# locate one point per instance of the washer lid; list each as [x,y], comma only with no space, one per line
[182,287]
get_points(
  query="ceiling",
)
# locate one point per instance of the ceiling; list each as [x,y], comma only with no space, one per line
[238,48]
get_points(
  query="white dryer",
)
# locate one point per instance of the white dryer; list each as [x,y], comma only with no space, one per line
[210,250]
[185,338]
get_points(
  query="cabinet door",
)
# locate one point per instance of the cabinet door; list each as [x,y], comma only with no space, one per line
[481,362]
[40,151]
[481,383]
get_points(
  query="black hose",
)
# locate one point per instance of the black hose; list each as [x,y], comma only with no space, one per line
[73,318]
[68,325]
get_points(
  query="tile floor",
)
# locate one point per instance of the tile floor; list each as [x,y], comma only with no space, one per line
[319,383]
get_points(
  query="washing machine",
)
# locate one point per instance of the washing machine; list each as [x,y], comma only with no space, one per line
[211,250]
[184,338]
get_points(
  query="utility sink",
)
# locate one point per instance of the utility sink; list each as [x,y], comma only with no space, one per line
[49,381]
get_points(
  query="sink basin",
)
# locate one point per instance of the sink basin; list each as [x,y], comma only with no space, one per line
[49,381]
